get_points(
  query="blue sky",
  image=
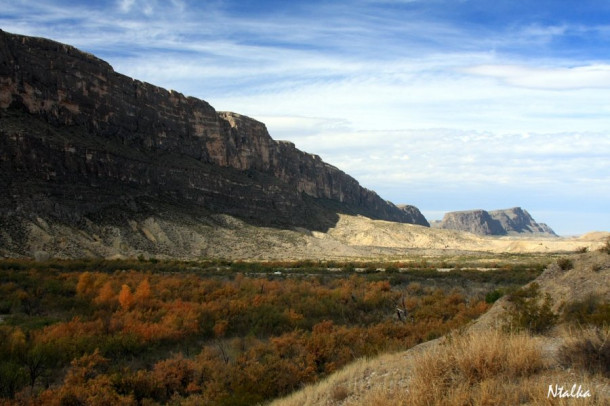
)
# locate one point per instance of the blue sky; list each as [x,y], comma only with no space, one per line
[444,104]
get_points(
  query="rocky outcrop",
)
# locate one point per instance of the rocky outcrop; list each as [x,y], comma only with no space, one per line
[517,220]
[414,215]
[80,141]
[472,221]
[514,221]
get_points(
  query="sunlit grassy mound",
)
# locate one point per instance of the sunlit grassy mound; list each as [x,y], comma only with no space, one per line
[491,368]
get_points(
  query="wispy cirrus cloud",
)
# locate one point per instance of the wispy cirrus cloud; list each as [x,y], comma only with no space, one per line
[554,78]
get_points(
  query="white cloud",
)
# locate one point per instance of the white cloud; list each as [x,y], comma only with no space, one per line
[590,76]
[125,5]
[482,169]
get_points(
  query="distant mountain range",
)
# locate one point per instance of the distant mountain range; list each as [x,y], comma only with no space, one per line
[513,221]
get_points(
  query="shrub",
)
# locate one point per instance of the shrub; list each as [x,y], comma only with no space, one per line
[530,311]
[589,351]
[606,247]
[339,393]
[592,311]
[493,296]
[392,269]
[565,264]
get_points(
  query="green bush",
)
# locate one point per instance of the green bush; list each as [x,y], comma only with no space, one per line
[493,296]
[12,378]
[531,311]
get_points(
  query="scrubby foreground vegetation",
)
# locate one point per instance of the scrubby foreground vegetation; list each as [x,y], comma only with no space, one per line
[546,343]
[150,332]
[505,368]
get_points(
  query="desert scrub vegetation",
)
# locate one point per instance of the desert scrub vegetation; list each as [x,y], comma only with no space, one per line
[494,367]
[587,349]
[541,351]
[593,310]
[89,332]
[474,369]
[531,310]
[606,247]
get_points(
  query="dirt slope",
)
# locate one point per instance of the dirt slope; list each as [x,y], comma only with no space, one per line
[223,236]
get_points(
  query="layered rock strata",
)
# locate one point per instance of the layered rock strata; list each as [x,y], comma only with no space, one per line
[81,141]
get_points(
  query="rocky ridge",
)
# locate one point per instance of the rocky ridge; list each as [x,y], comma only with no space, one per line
[513,221]
[81,142]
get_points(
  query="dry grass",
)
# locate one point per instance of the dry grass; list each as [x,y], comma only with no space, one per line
[487,368]
[474,369]
[587,350]
[346,386]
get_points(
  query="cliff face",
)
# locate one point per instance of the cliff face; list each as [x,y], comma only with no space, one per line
[414,213]
[79,140]
[517,220]
[514,221]
[472,221]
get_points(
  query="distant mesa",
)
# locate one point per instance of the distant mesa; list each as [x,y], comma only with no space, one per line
[514,221]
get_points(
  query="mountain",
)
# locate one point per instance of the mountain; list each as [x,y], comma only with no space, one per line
[518,220]
[80,142]
[513,221]
[414,214]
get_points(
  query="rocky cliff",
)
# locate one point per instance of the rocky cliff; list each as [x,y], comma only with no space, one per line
[80,141]
[518,220]
[413,213]
[514,221]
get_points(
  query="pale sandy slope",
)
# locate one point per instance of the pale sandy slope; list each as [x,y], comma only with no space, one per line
[363,232]
[222,236]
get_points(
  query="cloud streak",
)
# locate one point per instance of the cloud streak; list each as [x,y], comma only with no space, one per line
[579,77]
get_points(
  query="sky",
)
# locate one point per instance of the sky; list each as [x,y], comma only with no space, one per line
[443,104]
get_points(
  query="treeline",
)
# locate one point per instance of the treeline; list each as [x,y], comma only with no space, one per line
[70,336]
[510,263]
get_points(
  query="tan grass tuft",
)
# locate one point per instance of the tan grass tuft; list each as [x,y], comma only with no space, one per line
[472,369]
[587,349]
